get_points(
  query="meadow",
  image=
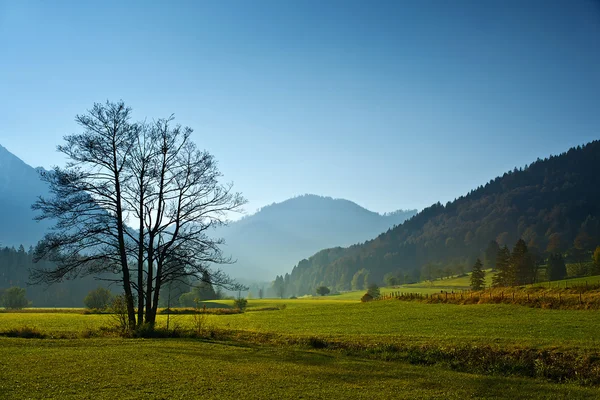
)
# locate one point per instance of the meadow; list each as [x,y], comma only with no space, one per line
[380,321]
[184,369]
[319,347]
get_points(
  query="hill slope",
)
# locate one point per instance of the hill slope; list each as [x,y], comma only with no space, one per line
[553,204]
[20,185]
[272,240]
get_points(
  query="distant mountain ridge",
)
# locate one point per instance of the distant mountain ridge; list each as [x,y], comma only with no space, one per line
[271,240]
[20,185]
[553,204]
[264,244]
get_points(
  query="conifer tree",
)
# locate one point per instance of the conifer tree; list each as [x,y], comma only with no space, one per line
[522,265]
[491,254]
[502,267]
[478,276]
[556,268]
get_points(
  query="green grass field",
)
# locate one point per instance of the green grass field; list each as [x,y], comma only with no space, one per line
[238,367]
[374,321]
[186,369]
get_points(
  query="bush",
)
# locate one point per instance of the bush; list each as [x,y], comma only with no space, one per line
[119,313]
[25,332]
[14,298]
[99,299]
[323,290]
[240,304]
[366,297]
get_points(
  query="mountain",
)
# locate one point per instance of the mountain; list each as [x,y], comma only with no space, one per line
[264,244]
[270,241]
[553,204]
[20,185]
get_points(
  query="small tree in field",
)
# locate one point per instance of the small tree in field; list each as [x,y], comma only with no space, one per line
[323,290]
[373,290]
[14,298]
[98,299]
[478,276]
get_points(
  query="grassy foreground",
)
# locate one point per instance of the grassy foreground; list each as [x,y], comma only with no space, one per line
[310,348]
[183,369]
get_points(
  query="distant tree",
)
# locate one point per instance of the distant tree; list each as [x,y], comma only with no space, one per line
[427,271]
[373,290]
[556,269]
[261,293]
[204,290]
[477,276]
[14,298]
[366,279]
[358,279]
[596,261]
[98,299]
[523,264]
[390,279]
[323,290]
[554,243]
[279,286]
[502,276]
[491,254]
[342,283]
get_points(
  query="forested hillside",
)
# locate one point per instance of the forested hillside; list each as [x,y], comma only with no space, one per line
[552,204]
[14,271]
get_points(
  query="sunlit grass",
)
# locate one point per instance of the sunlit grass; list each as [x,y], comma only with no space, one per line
[375,321]
[184,369]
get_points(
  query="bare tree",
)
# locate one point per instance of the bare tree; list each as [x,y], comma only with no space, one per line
[134,194]
[187,200]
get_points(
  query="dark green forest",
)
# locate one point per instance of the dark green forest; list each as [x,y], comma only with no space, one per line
[552,204]
[14,272]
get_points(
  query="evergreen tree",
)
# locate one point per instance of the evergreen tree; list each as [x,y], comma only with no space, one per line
[478,276]
[358,279]
[502,268]
[522,265]
[366,280]
[279,286]
[491,254]
[556,268]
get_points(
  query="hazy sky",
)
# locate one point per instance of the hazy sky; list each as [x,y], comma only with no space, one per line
[392,104]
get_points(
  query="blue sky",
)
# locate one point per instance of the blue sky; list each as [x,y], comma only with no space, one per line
[393,104]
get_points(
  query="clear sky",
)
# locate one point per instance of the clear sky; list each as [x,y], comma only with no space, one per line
[391,104]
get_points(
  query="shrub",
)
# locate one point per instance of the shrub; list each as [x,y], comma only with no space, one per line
[119,313]
[240,303]
[323,290]
[366,297]
[25,332]
[14,298]
[99,299]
